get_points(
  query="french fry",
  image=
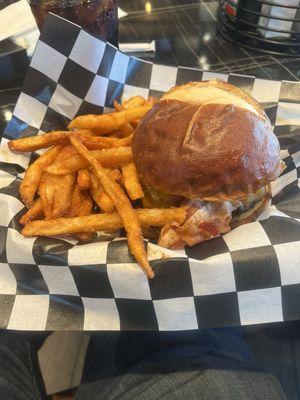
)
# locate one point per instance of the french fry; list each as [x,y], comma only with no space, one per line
[95,142]
[65,153]
[133,102]
[161,216]
[56,193]
[137,101]
[123,206]
[135,123]
[103,222]
[33,175]
[108,122]
[116,134]
[46,140]
[102,200]
[127,128]
[109,158]
[114,174]
[118,106]
[35,212]
[81,204]
[152,100]
[131,182]
[84,179]
[63,195]
[46,192]
[61,226]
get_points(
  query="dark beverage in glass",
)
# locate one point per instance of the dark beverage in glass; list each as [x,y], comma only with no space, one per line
[99,17]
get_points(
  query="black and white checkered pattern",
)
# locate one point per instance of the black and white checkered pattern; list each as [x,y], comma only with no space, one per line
[250,275]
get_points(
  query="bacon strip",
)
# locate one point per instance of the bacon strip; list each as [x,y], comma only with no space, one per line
[205,220]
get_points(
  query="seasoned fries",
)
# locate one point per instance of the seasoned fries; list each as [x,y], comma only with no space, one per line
[35,212]
[81,205]
[95,142]
[122,204]
[66,152]
[109,122]
[84,179]
[83,169]
[131,182]
[110,158]
[133,102]
[33,175]
[56,194]
[118,106]
[102,200]
[103,222]
[38,142]
[127,128]
[114,174]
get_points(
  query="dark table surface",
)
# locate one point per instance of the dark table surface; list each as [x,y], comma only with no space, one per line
[185,34]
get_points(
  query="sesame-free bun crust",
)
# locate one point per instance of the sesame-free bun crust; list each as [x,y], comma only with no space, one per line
[209,140]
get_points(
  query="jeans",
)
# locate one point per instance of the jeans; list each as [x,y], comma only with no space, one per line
[213,364]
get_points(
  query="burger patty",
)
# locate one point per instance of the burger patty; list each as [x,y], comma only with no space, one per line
[242,208]
[249,202]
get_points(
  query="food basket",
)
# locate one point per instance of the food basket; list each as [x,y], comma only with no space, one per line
[250,275]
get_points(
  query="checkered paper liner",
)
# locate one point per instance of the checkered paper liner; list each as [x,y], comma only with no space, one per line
[250,275]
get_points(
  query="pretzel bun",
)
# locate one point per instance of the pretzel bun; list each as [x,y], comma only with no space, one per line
[209,140]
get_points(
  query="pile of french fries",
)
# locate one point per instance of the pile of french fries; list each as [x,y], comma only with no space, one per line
[87,182]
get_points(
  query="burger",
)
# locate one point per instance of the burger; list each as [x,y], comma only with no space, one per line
[209,146]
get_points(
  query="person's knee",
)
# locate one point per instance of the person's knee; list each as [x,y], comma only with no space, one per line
[240,385]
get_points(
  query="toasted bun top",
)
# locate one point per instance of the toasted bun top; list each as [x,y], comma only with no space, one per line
[209,140]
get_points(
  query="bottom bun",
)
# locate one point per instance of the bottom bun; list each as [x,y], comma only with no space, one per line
[252,214]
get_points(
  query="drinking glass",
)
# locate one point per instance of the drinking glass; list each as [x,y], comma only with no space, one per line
[99,17]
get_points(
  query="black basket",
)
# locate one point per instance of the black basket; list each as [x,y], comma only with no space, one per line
[262,25]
